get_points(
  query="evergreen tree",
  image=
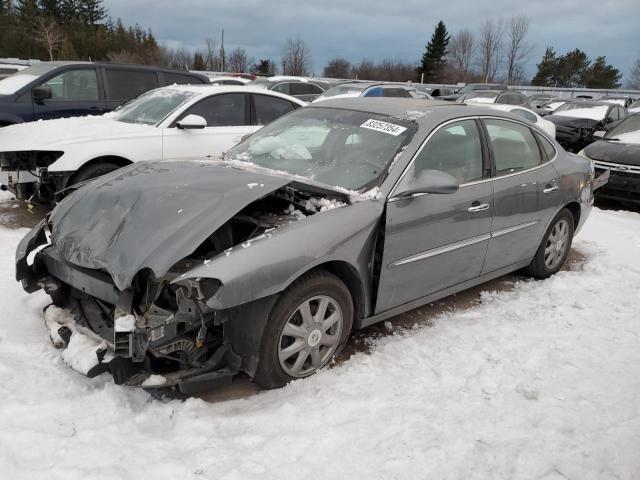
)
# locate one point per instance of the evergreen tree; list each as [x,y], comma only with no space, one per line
[434,58]
[91,11]
[546,68]
[571,69]
[601,75]
[198,62]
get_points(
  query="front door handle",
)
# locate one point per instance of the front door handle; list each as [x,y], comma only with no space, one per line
[550,189]
[478,207]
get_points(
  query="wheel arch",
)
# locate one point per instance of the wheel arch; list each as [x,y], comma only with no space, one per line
[576,211]
[115,159]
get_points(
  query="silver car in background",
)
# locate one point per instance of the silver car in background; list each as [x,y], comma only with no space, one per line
[336,216]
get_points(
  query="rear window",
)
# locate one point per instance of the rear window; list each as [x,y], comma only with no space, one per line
[128,84]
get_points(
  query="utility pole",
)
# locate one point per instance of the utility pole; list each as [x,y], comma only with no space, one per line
[222,53]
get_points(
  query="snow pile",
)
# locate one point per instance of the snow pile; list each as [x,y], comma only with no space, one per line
[80,354]
[322,204]
[541,381]
[126,323]
[294,212]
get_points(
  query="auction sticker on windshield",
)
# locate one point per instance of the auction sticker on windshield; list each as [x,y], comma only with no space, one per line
[384,127]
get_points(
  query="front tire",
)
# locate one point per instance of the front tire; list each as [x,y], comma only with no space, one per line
[93,171]
[307,327]
[554,248]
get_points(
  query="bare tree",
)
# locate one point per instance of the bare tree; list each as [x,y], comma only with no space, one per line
[48,35]
[337,68]
[461,50]
[123,56]
[296,57]
[517,49]
[179,59]
[211,59]
[634,78]
[237,61]
[489,45]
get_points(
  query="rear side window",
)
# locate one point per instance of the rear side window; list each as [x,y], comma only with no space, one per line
[128,84]
[180,79]
[455,149]
[226,110]
[304,89]
[514,147]
[282,88]
[524,114]
[547,146]
[74,85]
[269,108]
[396,92]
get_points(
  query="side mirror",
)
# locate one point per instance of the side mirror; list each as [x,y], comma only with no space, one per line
[599,133]
[41,93]
[430,181]
[191,122]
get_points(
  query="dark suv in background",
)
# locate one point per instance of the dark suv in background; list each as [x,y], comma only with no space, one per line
[70,89]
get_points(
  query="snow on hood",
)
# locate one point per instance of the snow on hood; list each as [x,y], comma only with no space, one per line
[614,151]
[50,134]
[151,214]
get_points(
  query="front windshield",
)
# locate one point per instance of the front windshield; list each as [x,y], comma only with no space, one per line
[617,101]
[14,82]
[152,107]
[589,110]
[336,147]
[345,90]
[635,105]
[627,131]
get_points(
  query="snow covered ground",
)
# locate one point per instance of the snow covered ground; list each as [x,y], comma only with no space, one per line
[539,382]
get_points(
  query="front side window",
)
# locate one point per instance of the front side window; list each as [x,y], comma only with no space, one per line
[455,149]
[128,84]
[74,85]
[226,110]
[268,108]
[514,147]
[336,147]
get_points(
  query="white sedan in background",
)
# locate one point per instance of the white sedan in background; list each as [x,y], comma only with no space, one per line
[523,112]
[39,161]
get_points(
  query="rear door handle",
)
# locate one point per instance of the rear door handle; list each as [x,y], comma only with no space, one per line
[549,189]
[478,207]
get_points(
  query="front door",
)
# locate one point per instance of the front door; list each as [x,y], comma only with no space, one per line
[228,120]
[435,241]
[525,194]
[74,93]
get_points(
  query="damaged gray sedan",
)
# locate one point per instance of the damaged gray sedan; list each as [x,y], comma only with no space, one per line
[331,218]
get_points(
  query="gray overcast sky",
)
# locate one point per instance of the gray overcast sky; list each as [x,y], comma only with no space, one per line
[377,29]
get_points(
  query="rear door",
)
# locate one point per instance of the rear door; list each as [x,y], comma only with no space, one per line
[75,92]
[228,120]
[435,241]
[266,108]
[525,188]
[123,84]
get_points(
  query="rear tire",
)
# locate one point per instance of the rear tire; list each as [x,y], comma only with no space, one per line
[307,327]
[554,248]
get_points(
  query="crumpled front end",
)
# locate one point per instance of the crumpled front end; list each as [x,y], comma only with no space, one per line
[163,328]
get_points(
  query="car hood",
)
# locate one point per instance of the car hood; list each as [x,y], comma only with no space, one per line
[152,214]
[615,152]
[49,134]
[572,122]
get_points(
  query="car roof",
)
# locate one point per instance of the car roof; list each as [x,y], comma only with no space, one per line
[427,113]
